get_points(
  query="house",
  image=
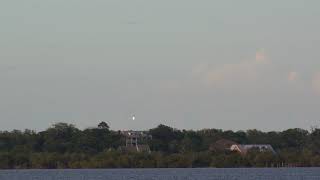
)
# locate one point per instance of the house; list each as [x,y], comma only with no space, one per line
[135,137]
[244,148]
[136,141]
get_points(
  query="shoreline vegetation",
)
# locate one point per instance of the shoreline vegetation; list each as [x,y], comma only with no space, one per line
[63,146]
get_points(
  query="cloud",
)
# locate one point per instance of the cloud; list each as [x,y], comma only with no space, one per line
[292,76]
[261,57]
[316,83]
[240,72]
[227,72]
[256,74]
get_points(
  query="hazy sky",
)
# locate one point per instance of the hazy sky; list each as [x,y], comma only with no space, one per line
[185,63]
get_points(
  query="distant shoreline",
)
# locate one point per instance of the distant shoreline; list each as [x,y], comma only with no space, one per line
[63,146]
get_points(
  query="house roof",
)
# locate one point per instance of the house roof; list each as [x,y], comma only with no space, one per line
[135,134]
[244,148]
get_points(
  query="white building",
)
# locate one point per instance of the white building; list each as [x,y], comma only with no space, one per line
[244,148]
[136,141]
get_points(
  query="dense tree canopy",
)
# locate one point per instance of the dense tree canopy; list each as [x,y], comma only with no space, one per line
[65,146]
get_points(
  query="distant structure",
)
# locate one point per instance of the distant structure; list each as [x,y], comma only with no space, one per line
[136,141]
[244,148]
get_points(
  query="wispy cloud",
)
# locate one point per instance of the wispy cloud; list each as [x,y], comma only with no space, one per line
[293,76]
[316,83]
[228,73]
[261,57]
[258,72]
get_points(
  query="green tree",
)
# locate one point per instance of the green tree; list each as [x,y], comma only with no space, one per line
[103,125]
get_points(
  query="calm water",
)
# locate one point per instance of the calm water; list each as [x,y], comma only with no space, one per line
[164,174]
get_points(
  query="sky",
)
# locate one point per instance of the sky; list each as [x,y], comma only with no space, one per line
[188,64]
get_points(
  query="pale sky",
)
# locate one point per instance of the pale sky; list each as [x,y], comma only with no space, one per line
[184,63]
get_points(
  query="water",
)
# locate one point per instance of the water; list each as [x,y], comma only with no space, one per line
[164,174]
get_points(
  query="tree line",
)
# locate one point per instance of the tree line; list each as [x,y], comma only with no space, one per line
[65,146]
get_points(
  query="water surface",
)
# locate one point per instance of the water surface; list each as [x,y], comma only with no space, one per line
[165,174]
